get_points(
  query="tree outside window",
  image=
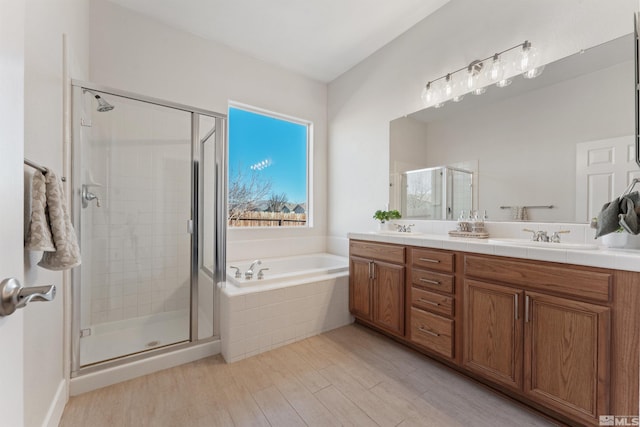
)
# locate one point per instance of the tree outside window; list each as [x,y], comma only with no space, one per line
[268,169]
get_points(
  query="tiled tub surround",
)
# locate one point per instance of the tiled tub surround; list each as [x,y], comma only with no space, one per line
[255,319]
[433,234]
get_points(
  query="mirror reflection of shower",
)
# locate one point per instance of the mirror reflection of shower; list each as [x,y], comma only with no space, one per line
[436,193]
[103,106]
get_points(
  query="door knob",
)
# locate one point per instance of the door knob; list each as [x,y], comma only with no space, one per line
[13,296]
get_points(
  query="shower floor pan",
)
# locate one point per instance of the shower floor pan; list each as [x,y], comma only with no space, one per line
[124,337]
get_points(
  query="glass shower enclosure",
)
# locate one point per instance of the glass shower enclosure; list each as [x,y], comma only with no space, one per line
[148,205]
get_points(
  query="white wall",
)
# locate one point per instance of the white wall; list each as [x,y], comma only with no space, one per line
[388,84]
[138,54]
[45,390]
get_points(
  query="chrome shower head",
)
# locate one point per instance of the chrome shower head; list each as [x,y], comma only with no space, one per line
[102,104]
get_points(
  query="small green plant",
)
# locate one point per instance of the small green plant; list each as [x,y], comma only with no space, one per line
[384,216]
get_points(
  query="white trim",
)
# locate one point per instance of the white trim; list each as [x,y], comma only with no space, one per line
[56,409]
[265,112]
[117,374]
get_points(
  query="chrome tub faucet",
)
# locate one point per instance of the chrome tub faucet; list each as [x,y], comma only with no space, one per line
[249,273]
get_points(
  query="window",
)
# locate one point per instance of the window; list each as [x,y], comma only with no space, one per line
[268,169]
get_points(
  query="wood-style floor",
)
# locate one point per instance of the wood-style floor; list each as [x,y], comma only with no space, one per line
[349,376]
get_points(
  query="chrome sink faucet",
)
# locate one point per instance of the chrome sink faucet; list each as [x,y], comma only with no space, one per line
[538,236]
[402,228]
[555,236]
[542,236]
[249,273]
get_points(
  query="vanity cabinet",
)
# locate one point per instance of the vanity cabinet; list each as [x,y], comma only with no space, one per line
[554,349]
[431,293]
[566,350]
[377,285]
[493,332]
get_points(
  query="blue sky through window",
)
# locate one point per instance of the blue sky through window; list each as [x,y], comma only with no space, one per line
[275,149]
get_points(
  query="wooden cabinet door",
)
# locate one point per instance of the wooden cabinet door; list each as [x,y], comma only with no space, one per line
[388,298]
[566,355]
[493,337]
[360,271]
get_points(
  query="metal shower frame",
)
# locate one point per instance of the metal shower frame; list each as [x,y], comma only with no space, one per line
[219,273]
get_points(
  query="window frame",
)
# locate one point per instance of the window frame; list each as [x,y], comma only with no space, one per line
[309,162]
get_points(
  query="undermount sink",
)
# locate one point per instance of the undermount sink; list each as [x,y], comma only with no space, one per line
[546,245]
[399,233]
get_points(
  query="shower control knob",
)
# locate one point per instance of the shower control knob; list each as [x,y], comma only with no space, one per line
[261,274]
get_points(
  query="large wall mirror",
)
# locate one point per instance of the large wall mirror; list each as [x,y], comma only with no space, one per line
[561,144]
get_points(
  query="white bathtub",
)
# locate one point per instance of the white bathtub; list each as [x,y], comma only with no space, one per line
[288,269]
[299,297]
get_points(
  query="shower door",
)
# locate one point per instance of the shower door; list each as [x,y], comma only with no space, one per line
[138,183]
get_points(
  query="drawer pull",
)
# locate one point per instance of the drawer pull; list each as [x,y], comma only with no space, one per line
[433,282]
[427,301]
[426,331]
[435,261]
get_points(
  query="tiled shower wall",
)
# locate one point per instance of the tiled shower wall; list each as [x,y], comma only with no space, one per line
[136,245]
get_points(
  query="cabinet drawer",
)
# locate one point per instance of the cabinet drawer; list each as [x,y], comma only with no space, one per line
[431,301]
[575,282]
[433,260]
[432,331]
[431,280]
[381,251]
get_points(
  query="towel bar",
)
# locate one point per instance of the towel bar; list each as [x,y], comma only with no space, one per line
[529,207]
[38,167]
[630,187]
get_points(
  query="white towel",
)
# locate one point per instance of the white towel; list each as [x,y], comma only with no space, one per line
[39,234]
[66,253]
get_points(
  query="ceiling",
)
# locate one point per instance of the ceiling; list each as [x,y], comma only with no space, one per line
[320,39]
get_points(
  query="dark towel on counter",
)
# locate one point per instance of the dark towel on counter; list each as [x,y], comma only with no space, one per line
[620,212]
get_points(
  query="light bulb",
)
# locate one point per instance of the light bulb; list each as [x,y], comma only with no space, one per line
[432,95]
[471,81]
[427,94]
[448,87]
[496,70]
[504,83]
[529,58]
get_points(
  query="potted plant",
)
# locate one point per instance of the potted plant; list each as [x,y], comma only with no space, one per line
[385,216]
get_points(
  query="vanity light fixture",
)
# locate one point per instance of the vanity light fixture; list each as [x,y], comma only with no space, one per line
[498,69]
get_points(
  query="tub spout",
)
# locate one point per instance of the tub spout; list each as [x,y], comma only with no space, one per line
[249,273]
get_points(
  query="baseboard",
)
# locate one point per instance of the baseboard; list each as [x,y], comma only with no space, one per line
[117,374]
[54,414]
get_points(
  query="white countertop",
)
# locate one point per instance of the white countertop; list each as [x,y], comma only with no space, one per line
[618,259]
